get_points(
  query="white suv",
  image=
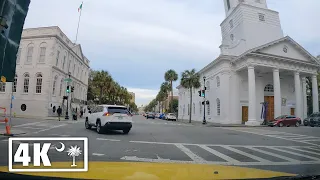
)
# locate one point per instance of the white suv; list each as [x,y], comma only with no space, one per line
[111,117]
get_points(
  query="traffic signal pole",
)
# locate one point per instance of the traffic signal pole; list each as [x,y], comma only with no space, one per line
[204,101]
[68,86]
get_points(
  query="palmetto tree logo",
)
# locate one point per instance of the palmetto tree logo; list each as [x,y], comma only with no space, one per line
[74,151]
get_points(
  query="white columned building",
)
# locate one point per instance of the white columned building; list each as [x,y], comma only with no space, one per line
[257,64]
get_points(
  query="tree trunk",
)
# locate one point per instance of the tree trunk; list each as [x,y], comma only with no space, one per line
[190,107]
[100,95]
[171,97]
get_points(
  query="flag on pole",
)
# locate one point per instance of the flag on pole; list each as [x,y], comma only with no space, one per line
[80,7]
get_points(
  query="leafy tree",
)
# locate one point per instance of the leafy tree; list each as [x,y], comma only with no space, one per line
[190,79]
[171,76]
[174,103]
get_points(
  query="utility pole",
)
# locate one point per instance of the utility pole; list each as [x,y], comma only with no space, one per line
[204,101]
[68,86]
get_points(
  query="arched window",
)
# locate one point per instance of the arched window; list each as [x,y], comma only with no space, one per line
[38,83]
[58,56]
[268,88]
[2,87]
[29,53]
[194,108]
[26,83]
[43,48]
[54,84]
[61,83]
[14,87]
[208,85]
[218,81]
[218,107]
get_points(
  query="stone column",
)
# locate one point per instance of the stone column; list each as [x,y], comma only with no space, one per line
[277,93]
[304,97]
[297,88]
[315,98]
[252,97]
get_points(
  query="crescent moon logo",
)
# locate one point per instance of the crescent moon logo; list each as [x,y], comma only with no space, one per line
[62,147]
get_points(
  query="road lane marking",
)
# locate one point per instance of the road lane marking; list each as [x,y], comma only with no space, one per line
[261,132]
[189,153]
[274,155]
[247,154]
[49,128]
[220,155]
[27,124]
[301,150]
[103,139]
[31,127]
[97,154]
[312,148]
[293,153]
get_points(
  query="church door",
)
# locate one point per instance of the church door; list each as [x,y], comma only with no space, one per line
[270,110]
[244,114]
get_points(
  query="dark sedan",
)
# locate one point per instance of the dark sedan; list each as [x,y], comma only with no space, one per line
[306,121]
[151,115]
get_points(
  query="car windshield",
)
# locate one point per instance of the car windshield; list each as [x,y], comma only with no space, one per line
[280,117]
[171,114]
[120,110]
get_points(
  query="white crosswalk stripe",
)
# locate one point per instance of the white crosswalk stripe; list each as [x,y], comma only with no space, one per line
[230,154]
[280,135]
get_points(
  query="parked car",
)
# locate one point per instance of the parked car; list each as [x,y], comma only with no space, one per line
[171,116]
[306,121]
[109,117]
[162,116]
[150,115]
[285,120]
[315,120]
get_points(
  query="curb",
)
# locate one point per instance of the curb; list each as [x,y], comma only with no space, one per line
[199,123]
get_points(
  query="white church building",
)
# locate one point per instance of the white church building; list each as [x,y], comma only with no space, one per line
[257,64]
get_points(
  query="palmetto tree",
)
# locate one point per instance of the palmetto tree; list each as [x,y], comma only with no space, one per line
[189,80]
[74,151]
[164,91]
[171,76]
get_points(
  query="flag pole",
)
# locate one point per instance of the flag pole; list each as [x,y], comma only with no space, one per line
[78,23]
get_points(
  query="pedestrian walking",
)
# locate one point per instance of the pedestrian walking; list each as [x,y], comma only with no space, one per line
[59,111]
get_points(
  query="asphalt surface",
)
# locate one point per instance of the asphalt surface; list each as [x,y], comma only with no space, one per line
[290,149]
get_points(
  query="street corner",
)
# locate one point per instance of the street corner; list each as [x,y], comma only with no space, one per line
[156,171]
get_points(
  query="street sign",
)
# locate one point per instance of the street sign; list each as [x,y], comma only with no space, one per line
[67,80]
[12,97]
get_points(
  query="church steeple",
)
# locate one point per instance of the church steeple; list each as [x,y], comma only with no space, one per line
[229,5]
[248,24]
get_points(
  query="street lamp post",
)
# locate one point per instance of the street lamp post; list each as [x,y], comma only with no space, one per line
[68,85]
[204,101]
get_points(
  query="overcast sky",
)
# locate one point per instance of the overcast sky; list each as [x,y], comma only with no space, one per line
[136,41]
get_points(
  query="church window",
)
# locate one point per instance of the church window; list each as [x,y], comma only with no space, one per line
[261,17]
[268,88]
[231,23]
[218,107]
[231,37]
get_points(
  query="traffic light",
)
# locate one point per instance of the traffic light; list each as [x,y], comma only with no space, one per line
[68,89]
[199,93]
[72,89]
[203,93]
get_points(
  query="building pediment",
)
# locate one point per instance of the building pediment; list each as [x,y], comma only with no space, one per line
[286,48]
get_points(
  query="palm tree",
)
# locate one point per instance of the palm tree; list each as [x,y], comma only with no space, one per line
[189,80]
[74,151]
[171,76]
[164,89]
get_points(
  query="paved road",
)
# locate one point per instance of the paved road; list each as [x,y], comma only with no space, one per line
[290,149]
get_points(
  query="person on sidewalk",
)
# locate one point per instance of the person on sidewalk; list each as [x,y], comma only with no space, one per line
[59,111]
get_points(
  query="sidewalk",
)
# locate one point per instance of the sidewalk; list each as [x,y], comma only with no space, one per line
[211,124]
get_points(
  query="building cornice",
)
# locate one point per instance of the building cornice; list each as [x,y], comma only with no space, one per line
[78,80]
[61,41]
